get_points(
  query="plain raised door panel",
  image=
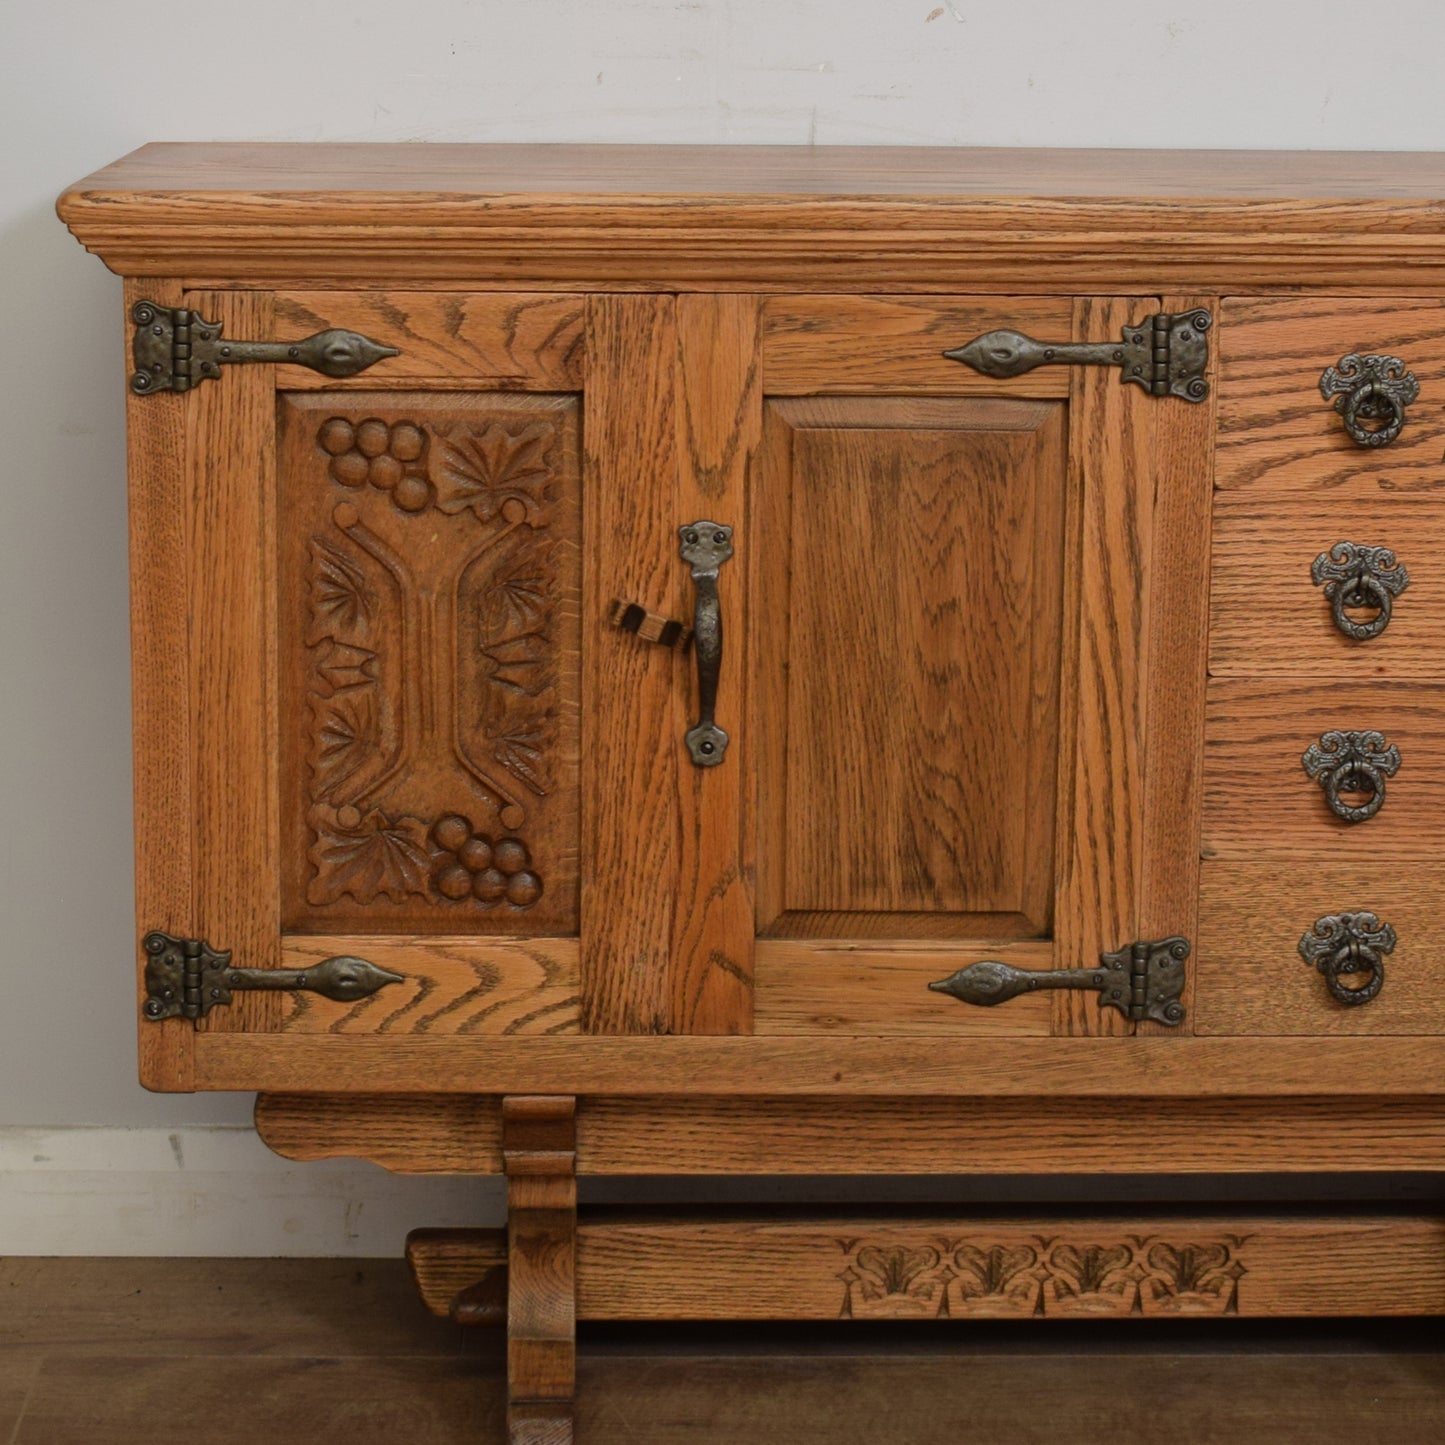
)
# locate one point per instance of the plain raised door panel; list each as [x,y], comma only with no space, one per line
[908,788]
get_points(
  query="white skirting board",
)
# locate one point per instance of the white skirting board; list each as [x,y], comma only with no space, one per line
[213,1190]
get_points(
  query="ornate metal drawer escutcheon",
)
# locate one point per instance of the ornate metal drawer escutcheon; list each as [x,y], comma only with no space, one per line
[187,978]
[1167,354]
[1370,388]
[1350,762]
[1358,576]
[1143,981]
[175,349]
[1345,944]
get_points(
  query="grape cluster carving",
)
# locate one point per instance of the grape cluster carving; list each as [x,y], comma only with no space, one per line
[472,864]
[391,458]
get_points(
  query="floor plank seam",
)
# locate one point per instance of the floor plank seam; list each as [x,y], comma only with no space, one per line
[25,1400]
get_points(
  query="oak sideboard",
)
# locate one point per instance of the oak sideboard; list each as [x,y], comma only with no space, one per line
[750,661]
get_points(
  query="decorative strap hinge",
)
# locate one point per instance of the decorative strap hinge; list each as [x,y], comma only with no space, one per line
[175,349]
[186,978]
[1167,353]
[1143,981]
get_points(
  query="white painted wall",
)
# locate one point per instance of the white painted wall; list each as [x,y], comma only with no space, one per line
[82,81]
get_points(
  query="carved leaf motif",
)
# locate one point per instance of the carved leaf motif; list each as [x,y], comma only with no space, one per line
[482,469]
[1187,1268]
[895,1271]
[1090,1270]
[341,602]
[520,663]
[345,738]
[514,617]
[521,751]
[378,855]
[992,1271]
[519,603]
[343,666]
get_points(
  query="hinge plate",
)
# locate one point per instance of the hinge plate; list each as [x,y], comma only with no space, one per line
[175,349]
[1167,353]
[187,978]
[1143,981]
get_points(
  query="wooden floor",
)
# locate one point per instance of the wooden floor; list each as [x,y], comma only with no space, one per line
[270,1352]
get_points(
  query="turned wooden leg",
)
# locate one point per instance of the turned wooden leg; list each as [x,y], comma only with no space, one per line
[539,1152]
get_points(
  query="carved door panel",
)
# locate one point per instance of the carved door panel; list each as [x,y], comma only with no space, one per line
[950,597]
[429,578]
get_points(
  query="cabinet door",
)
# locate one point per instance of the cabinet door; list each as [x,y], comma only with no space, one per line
[359,668]
[972,617]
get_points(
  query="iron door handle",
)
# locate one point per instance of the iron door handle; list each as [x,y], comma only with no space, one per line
[705,547]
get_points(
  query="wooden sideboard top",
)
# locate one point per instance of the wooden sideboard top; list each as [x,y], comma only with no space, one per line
[239,167]
[766,217]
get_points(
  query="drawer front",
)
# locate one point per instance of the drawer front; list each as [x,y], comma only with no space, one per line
[1251,977]
[1269,618]
[1260,801]
[1277,431]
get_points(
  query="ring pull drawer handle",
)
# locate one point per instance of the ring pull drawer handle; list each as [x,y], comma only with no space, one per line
[705,547]
[1342,945]
[1370,388]
[1352,762]
[1356,576]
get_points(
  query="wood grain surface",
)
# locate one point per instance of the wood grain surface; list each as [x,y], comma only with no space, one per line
[1173,1265]
[1261,803]
[1267,617]
[908,523]
[417,1134]
[1177,664]
[633,752]
[503,343]
[1174,1067]
[539,1154]
[273,171]
[1161,1267]
[1364,1132]
[1107,574]
[1277,431]
[842,986]
[231,464]
[445,1262]
[461,1134]
[891,345]
[1251,978]
[719,416]
[163,761]
[458,985]
[771,217]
